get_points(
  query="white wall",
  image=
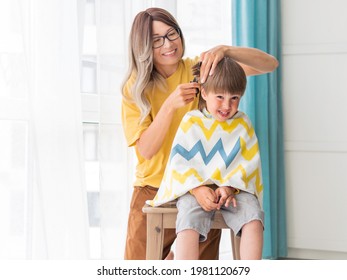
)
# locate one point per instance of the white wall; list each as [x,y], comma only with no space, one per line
[315,117]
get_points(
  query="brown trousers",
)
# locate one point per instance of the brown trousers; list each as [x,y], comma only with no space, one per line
[136,240]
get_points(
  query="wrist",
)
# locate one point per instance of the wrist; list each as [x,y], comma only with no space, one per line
[167,107]
[231,51]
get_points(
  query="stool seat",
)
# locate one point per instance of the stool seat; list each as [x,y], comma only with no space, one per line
[164,216]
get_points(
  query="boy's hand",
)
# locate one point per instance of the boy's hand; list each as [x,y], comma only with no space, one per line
[206,197]
[226,196]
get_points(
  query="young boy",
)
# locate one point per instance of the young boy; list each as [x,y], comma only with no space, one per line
[215,165]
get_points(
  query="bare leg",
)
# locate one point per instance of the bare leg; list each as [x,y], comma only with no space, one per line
[251,244]
[187,245]
[170,256]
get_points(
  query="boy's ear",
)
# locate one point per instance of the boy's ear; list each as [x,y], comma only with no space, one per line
[203,93]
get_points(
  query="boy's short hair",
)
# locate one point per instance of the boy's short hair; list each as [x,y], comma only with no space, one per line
[228,76]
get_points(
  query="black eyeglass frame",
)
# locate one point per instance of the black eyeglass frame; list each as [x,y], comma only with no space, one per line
[166,37]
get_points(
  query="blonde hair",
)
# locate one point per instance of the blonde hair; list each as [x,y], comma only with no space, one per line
[228,76]
[141,57]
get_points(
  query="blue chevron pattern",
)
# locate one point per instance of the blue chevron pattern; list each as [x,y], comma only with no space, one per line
[198,147]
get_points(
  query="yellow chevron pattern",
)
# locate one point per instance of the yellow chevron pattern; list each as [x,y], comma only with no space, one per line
[256,173]
[183,177]
[180,178]
[216,175]
[248,154]
[224,125]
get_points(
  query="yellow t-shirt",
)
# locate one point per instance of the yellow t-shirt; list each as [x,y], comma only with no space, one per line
[150,172]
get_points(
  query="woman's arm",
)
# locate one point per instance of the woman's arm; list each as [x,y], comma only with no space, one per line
[253,61]
[152,138]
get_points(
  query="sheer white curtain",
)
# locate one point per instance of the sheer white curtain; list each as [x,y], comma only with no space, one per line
[115,184]
[43,210]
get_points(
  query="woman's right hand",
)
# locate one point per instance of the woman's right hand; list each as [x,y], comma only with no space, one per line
[153,137]
[182,95]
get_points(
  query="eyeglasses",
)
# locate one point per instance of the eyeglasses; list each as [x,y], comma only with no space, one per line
[172,35]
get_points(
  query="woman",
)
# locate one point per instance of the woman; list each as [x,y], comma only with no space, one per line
[157,93]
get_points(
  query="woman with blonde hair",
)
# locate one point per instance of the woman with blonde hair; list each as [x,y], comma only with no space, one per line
[157,92]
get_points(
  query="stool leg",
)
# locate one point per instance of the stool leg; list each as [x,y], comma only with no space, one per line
[235,244]
[155,236]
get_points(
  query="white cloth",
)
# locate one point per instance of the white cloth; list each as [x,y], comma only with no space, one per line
[207,151]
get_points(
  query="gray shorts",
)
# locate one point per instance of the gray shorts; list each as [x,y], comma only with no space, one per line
[192,216]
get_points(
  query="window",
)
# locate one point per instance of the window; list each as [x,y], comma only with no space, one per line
[205,24]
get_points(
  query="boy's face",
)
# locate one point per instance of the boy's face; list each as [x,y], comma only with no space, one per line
[221,105]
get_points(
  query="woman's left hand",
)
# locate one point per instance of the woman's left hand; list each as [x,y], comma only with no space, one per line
[209,61]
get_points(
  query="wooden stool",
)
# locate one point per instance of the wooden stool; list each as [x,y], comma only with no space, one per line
[162,217]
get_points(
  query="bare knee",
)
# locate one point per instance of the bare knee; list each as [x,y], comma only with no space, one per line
[255,224]
[252,241]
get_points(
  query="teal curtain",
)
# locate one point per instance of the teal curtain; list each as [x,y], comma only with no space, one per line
[257,23]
